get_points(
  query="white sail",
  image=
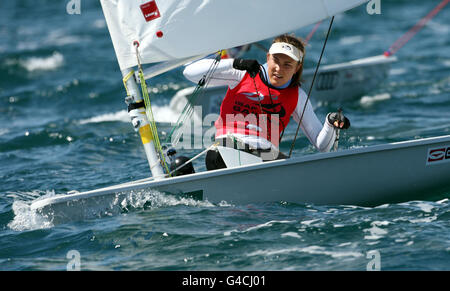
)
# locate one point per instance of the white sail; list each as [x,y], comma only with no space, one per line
[176,29]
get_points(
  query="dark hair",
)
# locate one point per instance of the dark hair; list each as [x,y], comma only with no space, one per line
[298,43]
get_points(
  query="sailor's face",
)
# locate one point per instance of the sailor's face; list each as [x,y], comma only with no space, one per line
[281,68]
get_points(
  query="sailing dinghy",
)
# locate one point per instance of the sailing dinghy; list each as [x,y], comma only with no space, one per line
[175,32]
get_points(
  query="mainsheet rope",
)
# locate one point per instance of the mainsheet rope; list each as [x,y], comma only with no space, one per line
[310,88]
[175,134]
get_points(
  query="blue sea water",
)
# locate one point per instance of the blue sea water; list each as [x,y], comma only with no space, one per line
[63,126]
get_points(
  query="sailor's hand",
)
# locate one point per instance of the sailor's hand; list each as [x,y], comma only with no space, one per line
[251,66]
[338,120]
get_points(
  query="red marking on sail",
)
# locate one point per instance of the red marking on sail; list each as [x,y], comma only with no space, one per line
[150,10]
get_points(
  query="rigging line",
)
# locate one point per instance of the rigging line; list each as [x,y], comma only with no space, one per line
[152,122]
[312,84]
[188,109]
[225,79]
[259,99]
[312,31]
[415,29]
[202,84]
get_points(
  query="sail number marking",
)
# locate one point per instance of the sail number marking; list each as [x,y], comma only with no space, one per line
[438,155]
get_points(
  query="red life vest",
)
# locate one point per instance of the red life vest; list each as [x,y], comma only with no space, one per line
[253,111]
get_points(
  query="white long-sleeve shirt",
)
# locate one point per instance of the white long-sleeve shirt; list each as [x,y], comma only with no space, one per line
[321,136]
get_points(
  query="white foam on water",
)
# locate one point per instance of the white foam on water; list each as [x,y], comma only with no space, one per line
[156,199]
[68,39]
[381,223]
[108,117]
[424,220]
[291,234]
[314,250]
[164,114]
[445,200]
[350,40]
[61,37]
[367,101]
[263,225]
[438,27]
[3,131]
[354,207]
[400,71]
[99,23]
[345,244]
[224,203]
[383,206]
[229,232]
[50,63]
[309,222]
[161,114]
[375,231]
[425,207]
[27,219]
[268,224]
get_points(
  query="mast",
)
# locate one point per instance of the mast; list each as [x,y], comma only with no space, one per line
[136,111]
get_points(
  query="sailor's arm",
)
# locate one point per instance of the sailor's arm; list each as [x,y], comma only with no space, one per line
[321,136]
[223,75]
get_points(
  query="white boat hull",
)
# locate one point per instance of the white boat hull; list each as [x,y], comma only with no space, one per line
[364,176]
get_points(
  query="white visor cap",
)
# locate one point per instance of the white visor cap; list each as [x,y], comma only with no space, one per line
[286,49]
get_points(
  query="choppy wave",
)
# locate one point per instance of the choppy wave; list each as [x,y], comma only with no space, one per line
[26,218]
[121,116]
[313,250]
[53,62]
[3,131]
[367,101]
[155,199]
[351,40]
[259,226]
[161,114]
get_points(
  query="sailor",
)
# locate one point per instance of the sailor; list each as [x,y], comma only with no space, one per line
[260,101]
